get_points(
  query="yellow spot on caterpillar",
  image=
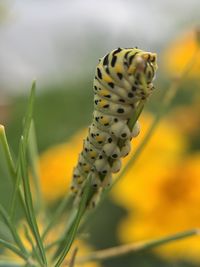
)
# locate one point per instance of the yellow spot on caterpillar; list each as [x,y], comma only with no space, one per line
[80,180]
[93,154]
[104,120]
[107,78]
[99,138]
[102,103]
[86,168]
[118,68]
[104,92]
[145,56]
[74,190]
[131,69]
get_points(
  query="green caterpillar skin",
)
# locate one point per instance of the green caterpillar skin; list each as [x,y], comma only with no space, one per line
[122,79]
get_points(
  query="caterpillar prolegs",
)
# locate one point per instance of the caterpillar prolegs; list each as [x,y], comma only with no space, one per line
[123,79]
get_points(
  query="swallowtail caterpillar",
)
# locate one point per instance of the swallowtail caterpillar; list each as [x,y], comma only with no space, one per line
[123,79]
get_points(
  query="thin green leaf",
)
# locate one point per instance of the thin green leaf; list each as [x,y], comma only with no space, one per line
[29,203]
[61,240]
[35,252]
[74,227]
[10,164]
[26,128]
[17,191]
[13,248]
[7,153]
[56,216]
[134,247]
[136,114]
[13,230]
[33,157]
[29,114]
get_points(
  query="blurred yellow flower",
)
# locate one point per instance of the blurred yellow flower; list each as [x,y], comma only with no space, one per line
[164,149]
[187,118]
[180,52]
[162,195]
[56,165]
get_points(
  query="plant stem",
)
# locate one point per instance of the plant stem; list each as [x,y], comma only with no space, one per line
[72,261]
[11,169]
[56,215]
[34,250]
[26,130]
[66,245]
[7,153]
[31,217]
[33,156]
[135,247]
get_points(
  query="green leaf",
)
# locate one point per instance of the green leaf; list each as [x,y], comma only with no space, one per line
[22,175]
[26,130]
[29,203]
[33,158]
[58,212]
[7,153]
[29,114]
[12,229]
[34,250]
[7,171]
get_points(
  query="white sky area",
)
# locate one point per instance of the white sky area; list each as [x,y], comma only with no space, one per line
[53,41]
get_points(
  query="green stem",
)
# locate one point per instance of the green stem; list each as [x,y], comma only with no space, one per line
[70,237]
[56,215]
[12,171]
[33,156]
[17,190]
[75,224]
[34,250]
[26,130]
[136,114]
[7,153]
[29,203]
[135,247]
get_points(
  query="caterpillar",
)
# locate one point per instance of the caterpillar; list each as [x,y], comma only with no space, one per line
[123,78]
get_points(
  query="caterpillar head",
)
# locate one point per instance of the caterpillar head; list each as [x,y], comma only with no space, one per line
[142,65]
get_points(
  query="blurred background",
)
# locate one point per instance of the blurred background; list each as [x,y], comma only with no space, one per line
[58,43]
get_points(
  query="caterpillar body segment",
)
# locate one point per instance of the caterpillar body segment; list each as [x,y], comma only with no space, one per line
[123,78]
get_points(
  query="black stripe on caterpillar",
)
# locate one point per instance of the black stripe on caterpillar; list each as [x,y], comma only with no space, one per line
[122,79]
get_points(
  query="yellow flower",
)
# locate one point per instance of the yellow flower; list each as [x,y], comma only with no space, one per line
[180,52]
[163,150]
[187,118]
[162,195]
[56,165]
